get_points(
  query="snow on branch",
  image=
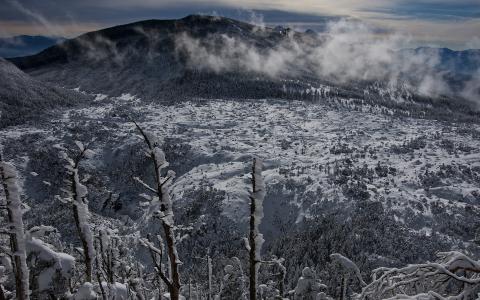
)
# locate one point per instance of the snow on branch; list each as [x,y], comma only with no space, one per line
[162,208]
[427,281]
[256,197]
[77,196]
[255,239]
[348,265]
[16,229]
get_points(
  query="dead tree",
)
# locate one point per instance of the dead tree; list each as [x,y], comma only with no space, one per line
[15,227]
[77,196]
[161,207]
[255,239]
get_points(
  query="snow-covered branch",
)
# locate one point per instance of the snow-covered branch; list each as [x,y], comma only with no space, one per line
[435,280]
[348,265]
[12,193]
[77,194]
[255,240]
[161,207]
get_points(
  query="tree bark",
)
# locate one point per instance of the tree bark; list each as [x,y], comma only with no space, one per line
[174,287]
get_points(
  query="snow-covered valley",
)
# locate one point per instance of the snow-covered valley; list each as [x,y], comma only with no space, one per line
[321,158]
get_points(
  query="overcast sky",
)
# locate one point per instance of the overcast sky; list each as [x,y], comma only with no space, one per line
[450,23]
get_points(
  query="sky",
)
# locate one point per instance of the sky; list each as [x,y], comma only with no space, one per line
[440,23]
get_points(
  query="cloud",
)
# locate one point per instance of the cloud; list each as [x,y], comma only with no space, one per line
[348,51]
[52,29]
[424,15]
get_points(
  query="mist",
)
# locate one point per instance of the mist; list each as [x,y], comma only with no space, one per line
[347,51]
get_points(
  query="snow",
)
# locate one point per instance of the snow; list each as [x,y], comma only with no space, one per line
[257,196]
[100,97]
[307,286]
[16,227]
[348,265]
[58,262]
[81,204]
[127,97]
[302,136]
[86,292]
[116,291]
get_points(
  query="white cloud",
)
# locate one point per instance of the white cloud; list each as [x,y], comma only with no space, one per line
[350,51]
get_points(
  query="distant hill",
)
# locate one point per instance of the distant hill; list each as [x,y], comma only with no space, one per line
[23,98]
[23,45]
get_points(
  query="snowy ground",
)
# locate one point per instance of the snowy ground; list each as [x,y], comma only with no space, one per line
[313,153]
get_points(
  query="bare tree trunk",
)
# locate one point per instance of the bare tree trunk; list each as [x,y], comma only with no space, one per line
[158,160]
[17,234]
[2,293]
[252,258]
[209,269]
[174,287]
[80,229]
[255,238]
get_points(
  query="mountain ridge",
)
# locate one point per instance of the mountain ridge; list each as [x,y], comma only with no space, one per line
[23,98]
[163,60]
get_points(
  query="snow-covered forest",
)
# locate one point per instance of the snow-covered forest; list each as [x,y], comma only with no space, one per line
[104,263]
[207,158]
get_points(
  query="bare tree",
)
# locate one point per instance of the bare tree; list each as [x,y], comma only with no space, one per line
[161,207]
[16,230]
[255,239]
[77,196]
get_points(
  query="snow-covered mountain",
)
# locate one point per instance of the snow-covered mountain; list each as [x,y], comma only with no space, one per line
[211,57]
[384,173]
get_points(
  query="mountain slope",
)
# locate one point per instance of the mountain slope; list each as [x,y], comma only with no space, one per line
[23,98]
[143,58]
[217,57]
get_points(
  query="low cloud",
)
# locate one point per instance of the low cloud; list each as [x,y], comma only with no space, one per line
[347,51]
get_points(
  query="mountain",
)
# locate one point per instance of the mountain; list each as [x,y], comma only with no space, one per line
[142,58]
[212,57]
[22,45]
[23,98]
[371,169]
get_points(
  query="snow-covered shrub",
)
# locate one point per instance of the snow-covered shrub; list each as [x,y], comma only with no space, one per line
[453,276]
[50,271]
[308,286]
